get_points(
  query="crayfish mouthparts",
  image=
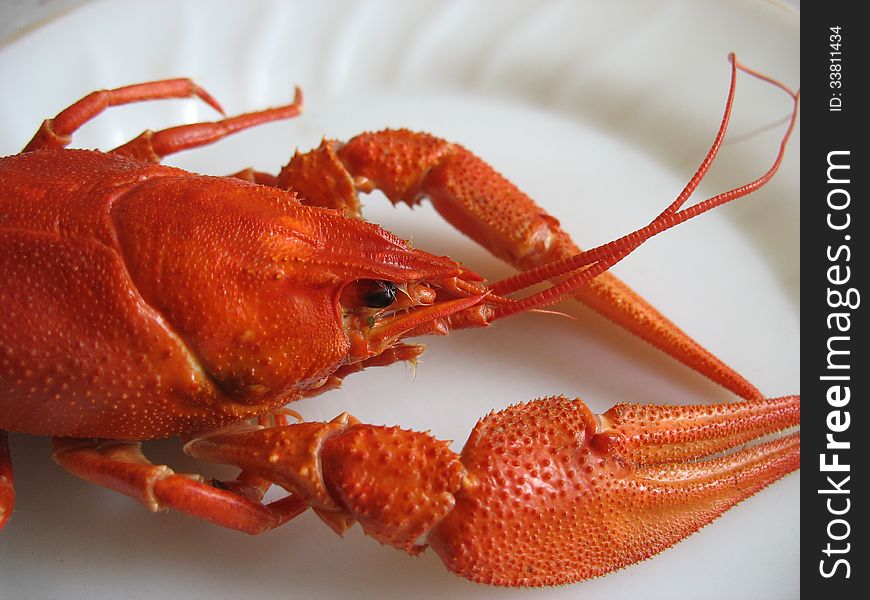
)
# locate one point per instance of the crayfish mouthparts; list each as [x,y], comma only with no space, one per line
[543,493]
[377,314]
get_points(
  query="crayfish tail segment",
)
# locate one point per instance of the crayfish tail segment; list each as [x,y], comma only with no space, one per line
[7,488]
[122,467]
[553,498]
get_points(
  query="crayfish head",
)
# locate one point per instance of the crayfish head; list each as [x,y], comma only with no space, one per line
[266,298]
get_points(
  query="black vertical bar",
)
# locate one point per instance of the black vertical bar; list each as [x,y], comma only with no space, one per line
[834,371]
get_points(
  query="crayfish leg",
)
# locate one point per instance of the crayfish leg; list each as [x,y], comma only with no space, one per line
[398,353]
[321,179]
[122,467]
[152,146]
[396,483]
[57,132]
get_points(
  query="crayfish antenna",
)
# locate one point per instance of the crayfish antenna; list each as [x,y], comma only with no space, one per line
[598,260]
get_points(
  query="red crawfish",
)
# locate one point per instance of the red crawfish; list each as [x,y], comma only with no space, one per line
[142,301]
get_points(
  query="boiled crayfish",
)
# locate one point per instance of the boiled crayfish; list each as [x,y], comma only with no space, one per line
[142,301]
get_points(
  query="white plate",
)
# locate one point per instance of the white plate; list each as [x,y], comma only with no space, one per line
[599,110]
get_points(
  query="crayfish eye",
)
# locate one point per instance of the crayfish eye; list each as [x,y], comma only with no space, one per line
[382,294]
[368,293]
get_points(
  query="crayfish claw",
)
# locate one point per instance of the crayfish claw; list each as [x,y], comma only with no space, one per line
[543,493]
[557,499]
